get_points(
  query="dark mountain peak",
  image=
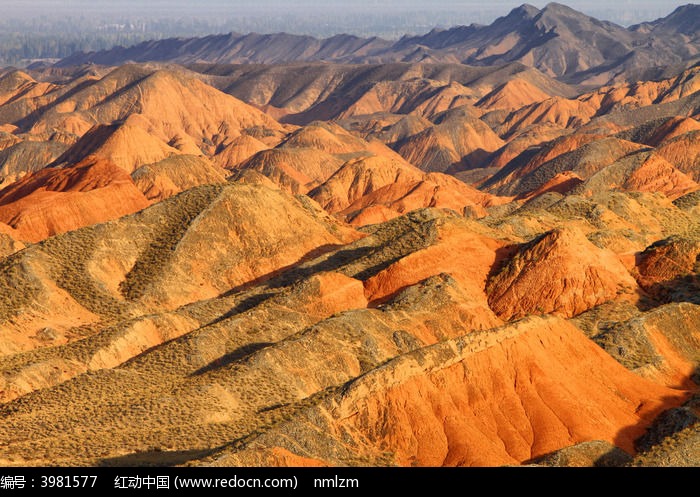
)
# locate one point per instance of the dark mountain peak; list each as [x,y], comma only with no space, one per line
[553,15]
[689,8]
[560,18]
[525,11]
[519,19]
[685,19]
[560,8]
[343,37]
[558,13]
[515,18]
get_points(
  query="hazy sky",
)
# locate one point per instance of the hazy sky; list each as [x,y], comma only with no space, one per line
[465,11]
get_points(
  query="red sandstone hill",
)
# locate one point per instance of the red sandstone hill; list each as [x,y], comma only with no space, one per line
[54,201]
[683,151]
[559,273]
[237,362]
[494,377]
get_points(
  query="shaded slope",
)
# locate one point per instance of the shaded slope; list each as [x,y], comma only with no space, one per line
[661,344]
[457,142]
[26,157]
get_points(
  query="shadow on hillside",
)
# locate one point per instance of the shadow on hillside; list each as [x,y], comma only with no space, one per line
[232,356]
[271,277]
[672,416]
[322,259]
[297,272]
[503,257]
[159,458]
[322,111]
[308,266]
[244,305]
[684,288]
[336,261]
[473,160]
[614,457]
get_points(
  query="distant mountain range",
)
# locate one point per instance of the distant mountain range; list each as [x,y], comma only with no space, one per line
[557,40]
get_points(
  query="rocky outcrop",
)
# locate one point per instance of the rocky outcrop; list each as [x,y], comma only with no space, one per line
[560,272]
[664,265]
